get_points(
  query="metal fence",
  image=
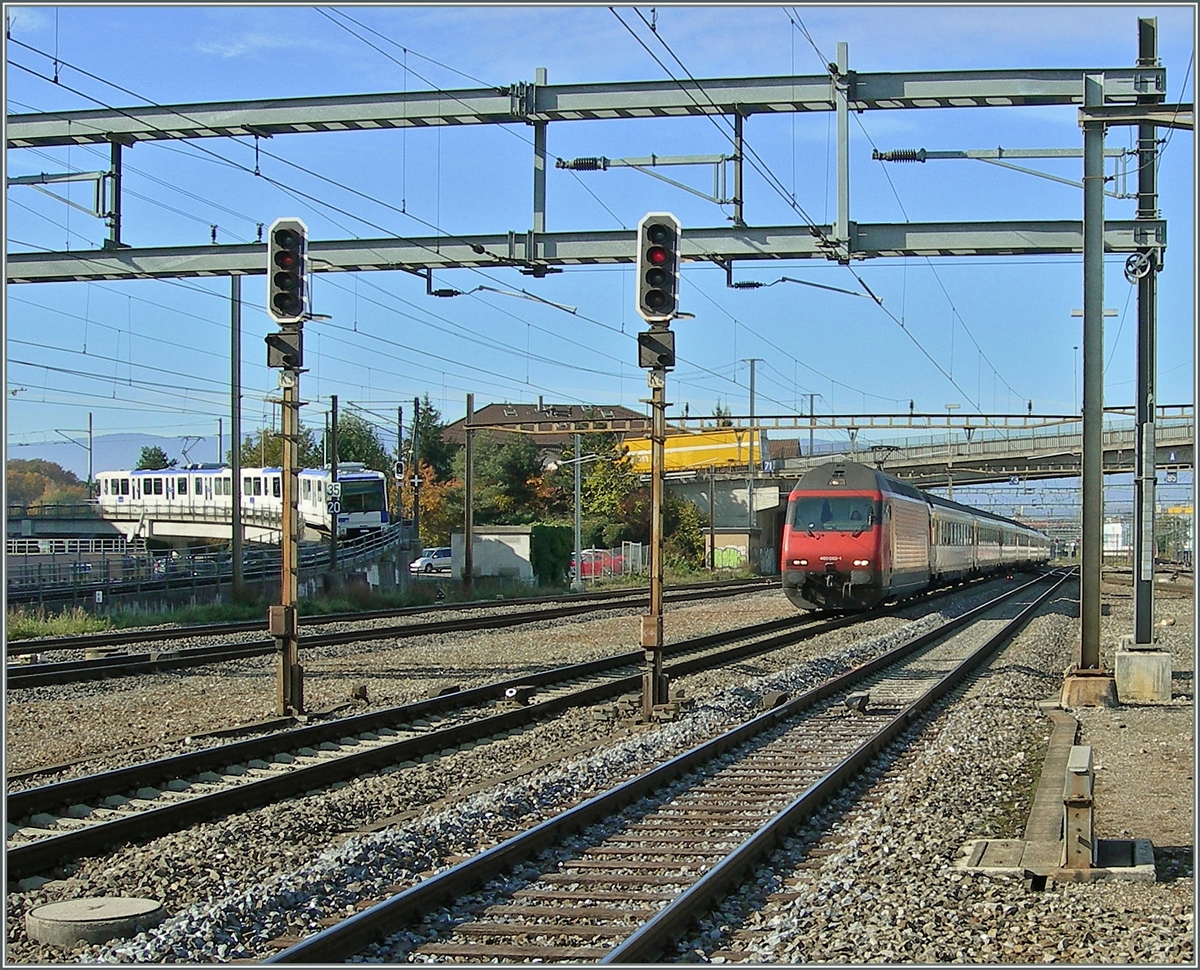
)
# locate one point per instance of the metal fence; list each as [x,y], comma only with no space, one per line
[77,568]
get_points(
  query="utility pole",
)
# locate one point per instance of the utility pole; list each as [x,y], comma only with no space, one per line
[220,440]
[415,481]
[812,424]
[1146,262]
[91,477]
[577,579]
[468,578]
[235,428]
[398,468]
[712,518]
[333,497]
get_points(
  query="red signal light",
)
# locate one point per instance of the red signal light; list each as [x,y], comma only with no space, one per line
[656,255]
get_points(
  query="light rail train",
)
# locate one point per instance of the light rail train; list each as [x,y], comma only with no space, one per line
[855,537]
[195,489]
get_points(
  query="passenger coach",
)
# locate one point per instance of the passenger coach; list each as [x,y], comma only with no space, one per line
[194,489]
[855,537]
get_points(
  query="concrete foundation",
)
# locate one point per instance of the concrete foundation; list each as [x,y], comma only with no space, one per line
[1090,688]
[1143,675]
[97,919]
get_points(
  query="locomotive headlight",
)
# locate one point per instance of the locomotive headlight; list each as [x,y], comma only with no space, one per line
[799,562]
[862,562]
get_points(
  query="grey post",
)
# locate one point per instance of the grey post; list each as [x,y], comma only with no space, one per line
[1093,377]
[738,157]
[468,579]
[841,95]
[416,471]
[577,579]
[539,161]
[1144,454]
[235,427]
[333,477]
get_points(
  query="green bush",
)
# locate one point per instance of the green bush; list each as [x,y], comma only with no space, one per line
[550,549]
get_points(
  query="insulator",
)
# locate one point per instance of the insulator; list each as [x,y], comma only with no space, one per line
[747,285]
[591,164]
[900,155]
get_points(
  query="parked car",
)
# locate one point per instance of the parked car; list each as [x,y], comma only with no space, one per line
[432,561]
[597,562]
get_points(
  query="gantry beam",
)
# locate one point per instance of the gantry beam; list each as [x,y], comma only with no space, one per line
[531,103]
[584,248]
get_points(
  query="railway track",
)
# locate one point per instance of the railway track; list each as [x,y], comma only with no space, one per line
[51,824]
[126,664]
[617,878]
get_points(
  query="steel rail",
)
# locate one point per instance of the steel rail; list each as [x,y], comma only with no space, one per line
[74,671]
[33,857]
[652,938]
[119,637]
[339,942]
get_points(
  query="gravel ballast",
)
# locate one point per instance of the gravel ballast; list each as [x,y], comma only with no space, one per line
[233,885]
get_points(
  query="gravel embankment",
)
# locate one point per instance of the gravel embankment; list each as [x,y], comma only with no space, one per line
[234,884]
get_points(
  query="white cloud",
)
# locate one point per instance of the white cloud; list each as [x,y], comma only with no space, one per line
[253,44]
[27,19]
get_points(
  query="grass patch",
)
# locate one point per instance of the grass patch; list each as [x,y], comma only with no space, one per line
[24,624]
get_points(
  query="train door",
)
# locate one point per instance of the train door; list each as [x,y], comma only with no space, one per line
[208,483]
[137,489]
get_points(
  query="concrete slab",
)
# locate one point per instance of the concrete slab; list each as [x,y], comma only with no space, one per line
[1130,860]
[95,919]
[1091,689]
[1143,675]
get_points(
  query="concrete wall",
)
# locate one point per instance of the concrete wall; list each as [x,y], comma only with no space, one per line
[497,551]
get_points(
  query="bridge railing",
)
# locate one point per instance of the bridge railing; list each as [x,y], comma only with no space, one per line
[111,568]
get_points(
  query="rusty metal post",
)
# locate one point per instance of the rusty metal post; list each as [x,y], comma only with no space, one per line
[1079,842]
[654,681]
[282,619]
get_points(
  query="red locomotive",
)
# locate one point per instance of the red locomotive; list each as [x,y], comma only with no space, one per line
[855,537]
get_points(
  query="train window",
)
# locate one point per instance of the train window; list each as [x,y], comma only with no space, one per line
[246,485]
[105,485]
[362,496]
[258,489]
[228,486]
[124,486]
[156,486]
[182,488]
[275,486]
[817,513]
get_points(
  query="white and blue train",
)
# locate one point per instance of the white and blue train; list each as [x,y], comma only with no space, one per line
[193,489]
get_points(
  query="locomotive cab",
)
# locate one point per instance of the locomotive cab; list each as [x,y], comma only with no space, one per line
[834,557]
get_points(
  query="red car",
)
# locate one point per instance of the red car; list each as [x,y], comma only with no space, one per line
[598,562]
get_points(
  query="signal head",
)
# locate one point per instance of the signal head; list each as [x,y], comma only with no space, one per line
[658,266]
[286,267]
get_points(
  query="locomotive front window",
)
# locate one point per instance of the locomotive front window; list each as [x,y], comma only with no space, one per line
[362,496]
[840,513]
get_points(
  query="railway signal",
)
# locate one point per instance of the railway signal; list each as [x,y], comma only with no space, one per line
[287,244]
[658,244]
[656,348]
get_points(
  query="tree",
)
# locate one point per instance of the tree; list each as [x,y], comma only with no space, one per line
[153,458]
[509,485]
[37,481]
[264,449]
[359,441]
[722,415]
[433,449]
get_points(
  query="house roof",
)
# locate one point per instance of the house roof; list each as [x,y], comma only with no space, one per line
[552,425]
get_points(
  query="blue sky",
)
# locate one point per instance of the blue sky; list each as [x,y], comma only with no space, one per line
[152,356]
